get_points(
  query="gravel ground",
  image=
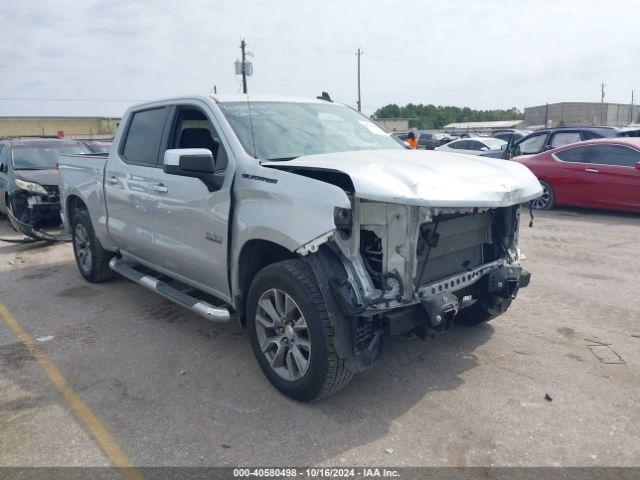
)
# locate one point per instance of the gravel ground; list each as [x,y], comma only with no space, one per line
[174,389]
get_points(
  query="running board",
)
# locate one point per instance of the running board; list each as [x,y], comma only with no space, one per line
[202,308]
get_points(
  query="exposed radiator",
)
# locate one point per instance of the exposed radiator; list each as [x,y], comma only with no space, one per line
[459,246]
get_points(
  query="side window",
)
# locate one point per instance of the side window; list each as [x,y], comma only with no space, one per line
[574,155]
[474,145]
[143,136]
[564,138]
[192,129]
[589,135]
[2,162]
[614,155]
[532,144]
[461,145]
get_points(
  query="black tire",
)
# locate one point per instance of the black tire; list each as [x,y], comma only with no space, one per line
[474,315]
[96,269]
[326,373]
[547,200]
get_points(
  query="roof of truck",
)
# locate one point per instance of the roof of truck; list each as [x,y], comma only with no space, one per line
[241,97]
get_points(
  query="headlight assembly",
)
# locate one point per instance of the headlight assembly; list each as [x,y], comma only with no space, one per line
[31,187]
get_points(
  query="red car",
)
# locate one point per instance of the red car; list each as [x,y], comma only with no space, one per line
[603,173]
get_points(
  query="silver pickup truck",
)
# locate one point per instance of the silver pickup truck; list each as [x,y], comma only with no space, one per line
[315,228]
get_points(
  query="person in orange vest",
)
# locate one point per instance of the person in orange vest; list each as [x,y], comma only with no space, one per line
[412,140]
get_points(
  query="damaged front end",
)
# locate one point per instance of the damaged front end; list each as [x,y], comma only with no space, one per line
[413,270]
[33,208]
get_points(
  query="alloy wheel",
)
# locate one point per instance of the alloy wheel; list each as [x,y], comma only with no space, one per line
[283,334]
[82,247]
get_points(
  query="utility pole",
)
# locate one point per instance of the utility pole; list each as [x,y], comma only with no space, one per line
[243,46]
[546,116]
[602,103]
[359,54]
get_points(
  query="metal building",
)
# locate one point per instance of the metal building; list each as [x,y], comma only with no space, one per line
[580,113]
[394,124]
[87,127]
[484,126]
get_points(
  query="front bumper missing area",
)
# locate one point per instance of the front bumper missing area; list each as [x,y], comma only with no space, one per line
[31,217]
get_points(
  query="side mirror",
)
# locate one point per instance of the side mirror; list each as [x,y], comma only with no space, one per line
[484,149]
[547,147]
[183,161]
[193,162]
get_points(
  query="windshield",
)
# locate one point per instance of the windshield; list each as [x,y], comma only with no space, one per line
[44,156]
[285,130]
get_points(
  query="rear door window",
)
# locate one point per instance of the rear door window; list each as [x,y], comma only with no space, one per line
[616,155]
[565,138]
[589,135]
[142,142]
[475,145]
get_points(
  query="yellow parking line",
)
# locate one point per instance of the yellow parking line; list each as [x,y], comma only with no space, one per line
[92,422]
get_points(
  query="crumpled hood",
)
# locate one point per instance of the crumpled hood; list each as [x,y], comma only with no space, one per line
[43,177]
[427,178]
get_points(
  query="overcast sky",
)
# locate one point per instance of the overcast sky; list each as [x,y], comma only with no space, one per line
[482,54]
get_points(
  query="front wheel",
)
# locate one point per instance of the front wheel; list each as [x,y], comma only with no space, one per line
[291,335]
[91,258]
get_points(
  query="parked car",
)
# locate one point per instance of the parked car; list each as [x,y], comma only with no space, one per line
[320,244]
[429,141]
[98,146]
[550,138]
[474,146]
[29,182]
[602,173]
[509,136]
[513,135]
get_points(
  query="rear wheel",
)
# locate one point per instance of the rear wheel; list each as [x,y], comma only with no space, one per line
[547,200]
[91,258]
[291,335]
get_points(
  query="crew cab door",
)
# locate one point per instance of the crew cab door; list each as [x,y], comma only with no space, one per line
[128,181]
[191,219]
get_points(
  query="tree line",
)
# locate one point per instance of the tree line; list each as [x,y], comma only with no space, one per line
[433,117]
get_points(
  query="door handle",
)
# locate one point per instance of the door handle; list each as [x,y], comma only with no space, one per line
[112,180]
[160,188]
[591,170]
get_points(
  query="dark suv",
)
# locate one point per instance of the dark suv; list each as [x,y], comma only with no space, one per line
[29,181]
[549,138]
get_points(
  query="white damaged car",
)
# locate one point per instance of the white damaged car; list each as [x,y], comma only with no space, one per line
[304,220]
